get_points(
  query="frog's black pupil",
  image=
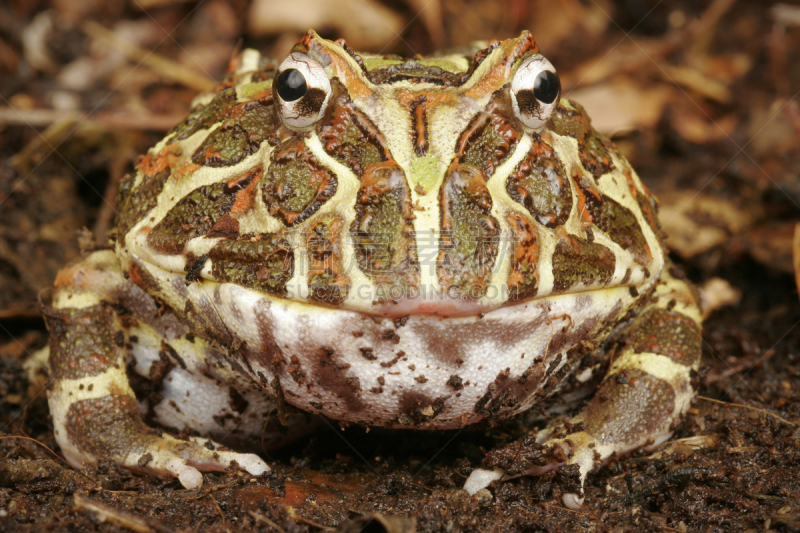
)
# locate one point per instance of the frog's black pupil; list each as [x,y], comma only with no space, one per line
[291,85]
[546,87]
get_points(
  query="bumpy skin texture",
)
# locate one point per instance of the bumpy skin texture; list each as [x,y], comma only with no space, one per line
[416,258]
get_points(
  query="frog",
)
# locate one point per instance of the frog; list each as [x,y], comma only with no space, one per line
[426,243]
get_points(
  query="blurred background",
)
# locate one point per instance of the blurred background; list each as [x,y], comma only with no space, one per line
[702,97]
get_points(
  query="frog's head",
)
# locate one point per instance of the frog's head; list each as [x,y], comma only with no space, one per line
[449,185]
[423,114]
[475,179]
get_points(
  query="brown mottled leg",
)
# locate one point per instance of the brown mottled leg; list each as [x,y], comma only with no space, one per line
[647,388]
[95,413]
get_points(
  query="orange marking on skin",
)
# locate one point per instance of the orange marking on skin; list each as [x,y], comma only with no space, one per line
[244,197]
[210,153]
[373,184]
[151,165]
[420,127]
[332,56]
[499,73]
[474,127]
[309,40]
[238,182]
[583,212]
[227,83]
[291,216]
[78,277]
[235,62]
[265,94]
[633,186]
[171,157]
[184,170]
[526,249]
[405,96]
[642,197]
[353,81]
[66,277]
[135,274]
[239,110]
[492,117]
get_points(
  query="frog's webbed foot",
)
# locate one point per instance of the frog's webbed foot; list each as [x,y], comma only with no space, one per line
[647,388]
[96,415]
[110,427]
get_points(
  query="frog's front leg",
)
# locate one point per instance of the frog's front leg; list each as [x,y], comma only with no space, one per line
[95,413]
[646,390]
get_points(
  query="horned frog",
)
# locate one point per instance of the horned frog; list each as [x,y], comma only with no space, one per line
[424,243]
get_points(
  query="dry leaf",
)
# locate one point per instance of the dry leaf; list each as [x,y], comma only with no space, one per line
[698,222]
[772,245]
[725,68]
[621,106]
[772,130]
[717,293]
[637,56]
[152,4]
[694,125]
[364,24]
[704,29]
[554,22]
[698,82]
[34,42]
[786,14]
[430,12]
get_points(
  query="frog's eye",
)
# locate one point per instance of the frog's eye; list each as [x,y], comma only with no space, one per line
[534,91]
[302,90]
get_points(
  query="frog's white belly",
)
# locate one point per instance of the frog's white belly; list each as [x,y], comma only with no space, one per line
[443,371]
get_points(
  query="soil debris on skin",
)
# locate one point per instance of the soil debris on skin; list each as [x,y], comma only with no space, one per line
[701,97]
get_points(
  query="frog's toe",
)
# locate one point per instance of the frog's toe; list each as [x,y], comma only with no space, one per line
[161,459]
[190,477]
[251,462]
[186,460]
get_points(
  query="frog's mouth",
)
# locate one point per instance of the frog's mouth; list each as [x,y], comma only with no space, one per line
[440,303]
[453,303]
[392,297]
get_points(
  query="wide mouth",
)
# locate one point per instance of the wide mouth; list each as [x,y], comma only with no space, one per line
[396,300]
[441,303]
[451,301]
